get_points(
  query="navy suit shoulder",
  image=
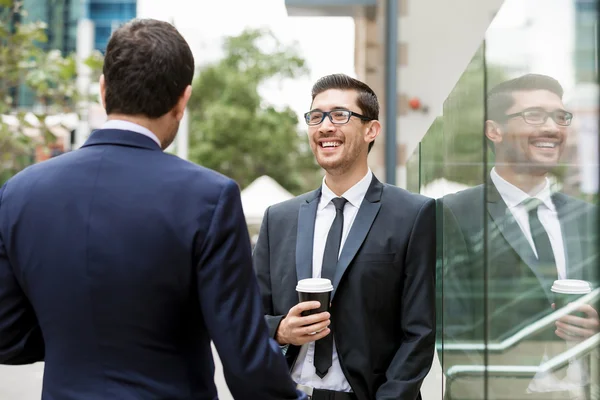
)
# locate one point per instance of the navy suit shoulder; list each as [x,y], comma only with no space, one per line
[130,261]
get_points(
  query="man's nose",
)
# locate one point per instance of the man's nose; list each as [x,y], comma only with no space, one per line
[326,125]
[550,126]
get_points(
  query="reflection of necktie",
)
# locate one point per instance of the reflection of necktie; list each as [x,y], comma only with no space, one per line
[541,240]
[324,347]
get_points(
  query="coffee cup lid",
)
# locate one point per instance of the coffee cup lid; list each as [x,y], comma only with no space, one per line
[314,285]
[571,286]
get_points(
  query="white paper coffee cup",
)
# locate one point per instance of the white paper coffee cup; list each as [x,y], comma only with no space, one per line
[315,289]
[569,290]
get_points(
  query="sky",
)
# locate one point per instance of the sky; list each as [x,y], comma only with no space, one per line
[205,23]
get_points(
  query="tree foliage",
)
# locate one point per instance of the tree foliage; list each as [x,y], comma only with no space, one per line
[233,129]
[454,145]
[50,75]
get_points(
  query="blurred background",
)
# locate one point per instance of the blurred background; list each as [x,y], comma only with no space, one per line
[430,62]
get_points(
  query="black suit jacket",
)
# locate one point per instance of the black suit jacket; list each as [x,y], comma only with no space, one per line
[481,240]
[118,265]
[383,303]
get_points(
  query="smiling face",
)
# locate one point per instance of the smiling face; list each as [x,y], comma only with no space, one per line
[338,148]
[530,147]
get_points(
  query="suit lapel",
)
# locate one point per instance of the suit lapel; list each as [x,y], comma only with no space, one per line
[360,228]
[306,231]
[568,218]
[512,233]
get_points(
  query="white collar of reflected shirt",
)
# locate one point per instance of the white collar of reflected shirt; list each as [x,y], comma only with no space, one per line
[513,196]
[130,126]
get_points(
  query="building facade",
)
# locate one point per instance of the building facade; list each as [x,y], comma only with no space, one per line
[107,15]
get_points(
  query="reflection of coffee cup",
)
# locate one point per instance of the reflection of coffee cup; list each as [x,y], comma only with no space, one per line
[568,290]
[315,289]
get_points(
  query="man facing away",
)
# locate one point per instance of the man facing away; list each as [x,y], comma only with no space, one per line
[120,263]
[377,341]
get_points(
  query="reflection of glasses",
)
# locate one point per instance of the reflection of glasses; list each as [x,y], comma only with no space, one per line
[538,116]
[337,117]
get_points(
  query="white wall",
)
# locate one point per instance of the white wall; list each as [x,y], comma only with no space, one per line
[442,37]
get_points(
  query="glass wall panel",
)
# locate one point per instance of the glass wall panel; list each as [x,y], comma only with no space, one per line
[513,162]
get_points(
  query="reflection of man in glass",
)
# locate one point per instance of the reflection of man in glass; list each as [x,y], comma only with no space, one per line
[531,236]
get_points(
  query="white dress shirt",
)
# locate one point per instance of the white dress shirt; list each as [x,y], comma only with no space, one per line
[514,198]
[304,369]
[130,126]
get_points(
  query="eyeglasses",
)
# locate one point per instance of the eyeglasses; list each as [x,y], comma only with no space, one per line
[538,116]
[337,117]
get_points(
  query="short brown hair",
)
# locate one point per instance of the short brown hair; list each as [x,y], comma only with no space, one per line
[147,67]
[366,101]
[500,97]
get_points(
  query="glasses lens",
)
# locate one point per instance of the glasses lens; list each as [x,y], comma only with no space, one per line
[562,117]
[340,116]
[314,117]
[535,116]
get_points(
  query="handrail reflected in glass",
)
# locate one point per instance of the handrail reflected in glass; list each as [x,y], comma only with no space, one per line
[521,371]
[524,333]
[526,371]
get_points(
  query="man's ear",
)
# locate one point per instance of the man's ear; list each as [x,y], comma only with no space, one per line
[493,131]
[373,130]
[179,108]
[103,91]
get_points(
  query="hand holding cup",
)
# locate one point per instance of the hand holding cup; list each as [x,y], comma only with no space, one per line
[585,322]
[308,320]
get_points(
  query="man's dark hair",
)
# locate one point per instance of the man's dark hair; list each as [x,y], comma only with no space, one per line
[147,67]
[500,98]
[366,100]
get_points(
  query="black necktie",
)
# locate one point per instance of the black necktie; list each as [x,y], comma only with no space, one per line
[541,240]
[324,347]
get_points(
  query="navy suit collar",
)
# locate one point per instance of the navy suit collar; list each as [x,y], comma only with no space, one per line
[121,138]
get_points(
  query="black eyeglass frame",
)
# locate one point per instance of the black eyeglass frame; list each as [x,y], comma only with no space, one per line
[328,114]
[552,114]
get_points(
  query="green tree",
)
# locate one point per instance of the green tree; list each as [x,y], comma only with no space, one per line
[454,145]
[232,128]
[50,75]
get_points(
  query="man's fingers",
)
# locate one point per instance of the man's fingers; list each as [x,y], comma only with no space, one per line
[312,319]
[572,320]
[321,334]
[304,306]
[573,331]
[589,323]
[588,310]
[311,329]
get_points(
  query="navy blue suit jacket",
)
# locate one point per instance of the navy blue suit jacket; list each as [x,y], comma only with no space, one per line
[118,264]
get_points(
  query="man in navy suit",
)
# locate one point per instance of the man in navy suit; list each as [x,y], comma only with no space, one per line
[119,263]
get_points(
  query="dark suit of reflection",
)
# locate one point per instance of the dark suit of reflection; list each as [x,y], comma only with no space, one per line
[518,289]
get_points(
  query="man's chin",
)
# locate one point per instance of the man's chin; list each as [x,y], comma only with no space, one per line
[538,167]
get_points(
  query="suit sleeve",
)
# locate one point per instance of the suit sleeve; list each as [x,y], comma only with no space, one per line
[262,267]
[413,359]
[21,340]
[253,365]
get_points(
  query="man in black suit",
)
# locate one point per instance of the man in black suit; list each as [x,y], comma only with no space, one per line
[119,263]
[510,239]
[377,342]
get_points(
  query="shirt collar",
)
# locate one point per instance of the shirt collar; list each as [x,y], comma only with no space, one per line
[130,126]
[354,195]
[513,196]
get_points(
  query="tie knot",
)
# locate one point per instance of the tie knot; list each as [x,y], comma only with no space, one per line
[339,203]
[532,204]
